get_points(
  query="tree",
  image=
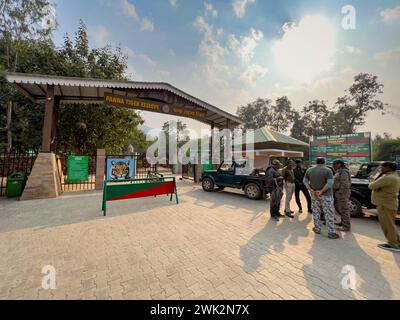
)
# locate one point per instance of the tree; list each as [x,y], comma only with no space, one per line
[261,113]
[20,21]
[255,114]
[385,148]
[281,115]
[346,116]
[82,128]
[361,99]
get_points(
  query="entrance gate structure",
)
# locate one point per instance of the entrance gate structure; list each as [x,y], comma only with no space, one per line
[44,181]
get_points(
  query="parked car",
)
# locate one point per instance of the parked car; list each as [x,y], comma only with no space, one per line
[360,194]
[234,175]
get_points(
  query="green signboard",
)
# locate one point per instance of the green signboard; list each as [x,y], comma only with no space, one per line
[353,149]
[398,161]
[78,168]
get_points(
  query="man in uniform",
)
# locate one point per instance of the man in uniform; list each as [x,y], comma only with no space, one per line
[288,177]
[275,180]
[319,182]
[385,193]
[341,189]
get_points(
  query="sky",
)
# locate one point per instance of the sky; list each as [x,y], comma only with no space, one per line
[231,52]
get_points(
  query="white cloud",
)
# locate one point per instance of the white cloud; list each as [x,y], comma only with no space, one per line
[253,73]
[353,50]
[148,60]
[147,25]
[209,45]
[244,46]
[99,34]
[173,3]
[210,9]
[129,10]
[306,49]
[239,7]
[391,15]
[388,56]
[128,52]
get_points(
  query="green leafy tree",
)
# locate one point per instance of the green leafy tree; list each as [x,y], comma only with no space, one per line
[354,107]
[82,128]
[255,114]
[281,115]
[262,112]
[385,148]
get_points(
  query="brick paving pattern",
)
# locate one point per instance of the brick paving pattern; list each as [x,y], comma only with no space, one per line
[210,246]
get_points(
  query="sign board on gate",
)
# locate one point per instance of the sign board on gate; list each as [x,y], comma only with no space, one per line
[78,168]
[120,168]
[398,161]
[353,149]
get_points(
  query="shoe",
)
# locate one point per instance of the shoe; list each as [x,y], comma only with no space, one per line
[339,224]
[324,222]
[289,215]
[300,211]
[275,217]
[387,246]
[344,229]
[281,216]
[316,230]
[333,236]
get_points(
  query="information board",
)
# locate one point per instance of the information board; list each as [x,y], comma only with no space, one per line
[78,168]
[353,149]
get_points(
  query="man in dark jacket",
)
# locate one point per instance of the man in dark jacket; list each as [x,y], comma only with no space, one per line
[299,173]
[275,180]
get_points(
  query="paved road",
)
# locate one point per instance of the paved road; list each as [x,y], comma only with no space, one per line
[210,246]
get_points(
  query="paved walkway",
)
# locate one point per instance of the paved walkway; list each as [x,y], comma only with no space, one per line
[210,246]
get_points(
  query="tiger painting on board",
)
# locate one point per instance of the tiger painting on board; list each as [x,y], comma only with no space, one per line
[120,170]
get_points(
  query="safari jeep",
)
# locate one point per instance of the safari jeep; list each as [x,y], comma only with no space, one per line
[234,175]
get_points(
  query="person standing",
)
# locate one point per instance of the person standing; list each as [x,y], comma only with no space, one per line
[341,189]
[299,173]
[319,182]
[275,180]
[385,193]
[288,177]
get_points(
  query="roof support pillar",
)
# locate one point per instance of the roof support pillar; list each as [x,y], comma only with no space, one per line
[48,119]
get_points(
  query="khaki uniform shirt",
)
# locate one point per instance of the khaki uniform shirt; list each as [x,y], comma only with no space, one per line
[342,183]
[385,191]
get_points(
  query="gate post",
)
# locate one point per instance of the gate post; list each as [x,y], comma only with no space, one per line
[100,168]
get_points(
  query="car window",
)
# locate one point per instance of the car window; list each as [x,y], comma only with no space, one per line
[227,167]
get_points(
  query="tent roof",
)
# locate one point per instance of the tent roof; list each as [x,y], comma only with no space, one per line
[86,90]
[266,135]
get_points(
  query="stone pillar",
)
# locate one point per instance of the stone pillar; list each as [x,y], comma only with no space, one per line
[100,168]
[44,180]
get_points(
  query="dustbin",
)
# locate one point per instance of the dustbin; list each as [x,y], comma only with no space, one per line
[15,184]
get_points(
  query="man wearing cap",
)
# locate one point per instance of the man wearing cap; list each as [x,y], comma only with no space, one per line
[319,182]
[385,193]
[275,180]
[341,189]
[288,177]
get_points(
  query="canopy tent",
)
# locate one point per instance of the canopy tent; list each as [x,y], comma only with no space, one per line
[268,144]
[265,138]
